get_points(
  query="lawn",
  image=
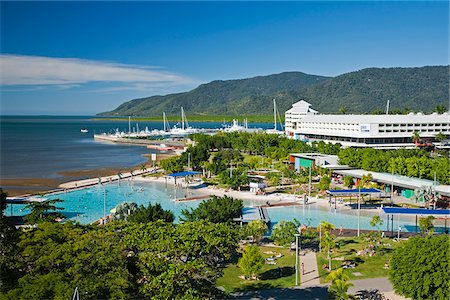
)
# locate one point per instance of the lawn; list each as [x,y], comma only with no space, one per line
[368,267]
[269,275]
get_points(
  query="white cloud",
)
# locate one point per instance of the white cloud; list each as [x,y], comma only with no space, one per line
[39,70]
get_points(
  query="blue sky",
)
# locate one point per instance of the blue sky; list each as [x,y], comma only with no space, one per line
[77,58]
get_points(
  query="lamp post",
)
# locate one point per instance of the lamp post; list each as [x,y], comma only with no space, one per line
[359,203]
[104,203]
[296,257]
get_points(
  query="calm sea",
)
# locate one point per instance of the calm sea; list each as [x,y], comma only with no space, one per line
[43,146]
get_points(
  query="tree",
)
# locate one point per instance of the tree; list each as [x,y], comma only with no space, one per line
[339,284]
[251,261]
[256,229]
[328,243]
[3,196]
[415,137]
[348,181]
[283,232]
[40,211]
[440,109]
[172,164]
[216,210]
[123,210]
[426,225]
[343,110]
[151,213]
[440,137]
[324,183]
[376,221]
[419,268]
[143,168]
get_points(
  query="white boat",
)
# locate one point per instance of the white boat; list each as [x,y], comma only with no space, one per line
[275,114]
[84,130]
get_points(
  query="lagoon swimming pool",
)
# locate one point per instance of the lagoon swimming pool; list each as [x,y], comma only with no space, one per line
[86,205]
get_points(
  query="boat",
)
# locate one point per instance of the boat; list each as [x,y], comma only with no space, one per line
[275,114]
[84,130]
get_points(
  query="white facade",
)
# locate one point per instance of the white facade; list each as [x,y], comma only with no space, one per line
[380,131]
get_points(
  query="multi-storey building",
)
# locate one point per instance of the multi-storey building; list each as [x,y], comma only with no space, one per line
[378,131]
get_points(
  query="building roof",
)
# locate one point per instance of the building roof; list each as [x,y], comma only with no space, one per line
[352,192]
[184,174]
[397,180]
[301,107]
[416,211]
[369,119]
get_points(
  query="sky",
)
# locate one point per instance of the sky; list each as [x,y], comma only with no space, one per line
[82,58]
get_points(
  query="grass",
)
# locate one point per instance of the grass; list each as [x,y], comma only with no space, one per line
[369,267]
[268,275]
[195,118]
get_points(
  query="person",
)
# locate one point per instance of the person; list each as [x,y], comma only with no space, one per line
[302,268]
[341,230]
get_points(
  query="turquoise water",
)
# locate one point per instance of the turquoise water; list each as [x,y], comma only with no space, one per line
[86,205]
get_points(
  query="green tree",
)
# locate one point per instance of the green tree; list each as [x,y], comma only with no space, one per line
[415,137]
[419,268]
[343,110]
[426,225]
[376,221]
[3,196]
[43,211]
[283,232]
[339,284]
[324,183]
[348,181]
[440,137]
[256,229]
[216,210]
[328,243]
[440,109]
[151,213]
[251,261]
[172,164]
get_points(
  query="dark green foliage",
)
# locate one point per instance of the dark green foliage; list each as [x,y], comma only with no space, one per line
[225,97]
[44,211]
[283,232]
[216,210]
[324,183]
[9,272]
[412,163]
[361,91]
[153,260]
[419,268]
[172,164]
[251,261]
[3,196]
[151,213]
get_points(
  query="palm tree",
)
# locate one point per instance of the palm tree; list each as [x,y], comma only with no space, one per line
[416,137]
[143,168]
[440,109]
[343,110]
[339,284]
[328,243]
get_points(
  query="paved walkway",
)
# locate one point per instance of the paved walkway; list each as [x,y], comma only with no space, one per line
[381,284]
[311,277]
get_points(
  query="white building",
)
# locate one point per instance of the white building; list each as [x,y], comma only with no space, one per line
[378,131]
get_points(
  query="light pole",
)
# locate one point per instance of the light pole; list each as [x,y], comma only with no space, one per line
[104,203]
[296,258]
[359,203]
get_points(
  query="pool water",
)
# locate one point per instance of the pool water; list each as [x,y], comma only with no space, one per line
[87,205]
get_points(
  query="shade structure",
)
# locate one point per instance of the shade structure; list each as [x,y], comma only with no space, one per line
[416,211]
[184,174]
[352,192]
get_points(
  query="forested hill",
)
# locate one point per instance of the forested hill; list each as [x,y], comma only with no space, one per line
[361,91]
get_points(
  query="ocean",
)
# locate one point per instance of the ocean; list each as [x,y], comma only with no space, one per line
[45,146]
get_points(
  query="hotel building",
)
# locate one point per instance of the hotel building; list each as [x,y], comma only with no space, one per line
[377,131]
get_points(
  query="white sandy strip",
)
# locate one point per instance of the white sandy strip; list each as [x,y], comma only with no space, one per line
[104,179]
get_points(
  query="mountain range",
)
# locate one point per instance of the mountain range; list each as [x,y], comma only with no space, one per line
[363,91]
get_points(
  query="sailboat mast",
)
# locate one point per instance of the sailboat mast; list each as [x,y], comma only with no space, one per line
[182,118]
[129,124]
[164,122]
[275,114]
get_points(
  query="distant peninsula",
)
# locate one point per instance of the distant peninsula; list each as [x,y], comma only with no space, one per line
[363,91]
